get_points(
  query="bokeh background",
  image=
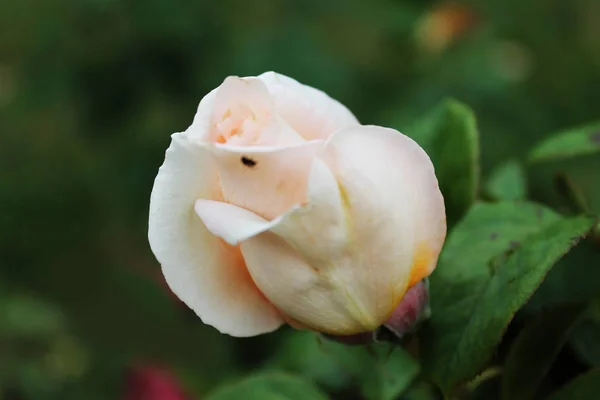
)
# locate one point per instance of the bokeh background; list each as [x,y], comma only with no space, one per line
[91,90]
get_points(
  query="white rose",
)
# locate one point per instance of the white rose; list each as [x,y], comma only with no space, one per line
[276,206]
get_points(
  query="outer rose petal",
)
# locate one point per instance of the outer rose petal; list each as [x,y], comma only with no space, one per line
[202,270]
[381,169]
[309,111]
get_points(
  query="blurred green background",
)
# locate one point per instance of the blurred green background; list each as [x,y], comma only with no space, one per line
[91,90]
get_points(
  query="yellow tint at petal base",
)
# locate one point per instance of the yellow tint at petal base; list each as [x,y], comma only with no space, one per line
[421,267]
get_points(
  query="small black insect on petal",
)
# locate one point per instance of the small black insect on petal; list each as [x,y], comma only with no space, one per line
[248,162]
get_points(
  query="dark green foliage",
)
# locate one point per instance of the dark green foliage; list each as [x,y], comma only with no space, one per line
[584,387]
[534,351]
[274,386]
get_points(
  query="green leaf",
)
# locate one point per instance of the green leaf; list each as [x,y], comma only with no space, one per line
[507,182]
[575,278]
[449,135]
[381,371]
[492,262]
[303,353]
[534,351]
[270,386]
[585,338]
[584,387]
[567,144]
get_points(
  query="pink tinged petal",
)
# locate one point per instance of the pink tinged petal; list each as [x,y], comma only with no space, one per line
[395,209]
[298,260]
[202,270]
[247,93]
[275,132]
[265,180]
[240,113]
[341,263]
[319,296]
[242,106]
[309,111]
[300,226]
[319,229]
[304,264]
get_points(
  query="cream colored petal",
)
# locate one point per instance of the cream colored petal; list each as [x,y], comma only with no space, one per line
[304,263]
[265,180]
[355,250]
[249,94]
[395,206]
[297,273]
[318,229]
[202,270]
[301,226]
[315,296]
[240,113]
[309,111]
[277,132]
[231,223]
[342,262]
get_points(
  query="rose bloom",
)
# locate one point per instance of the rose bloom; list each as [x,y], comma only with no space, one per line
[277,206]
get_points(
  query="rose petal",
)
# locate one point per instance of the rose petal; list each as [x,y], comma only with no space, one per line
[319,229]
[342,263]
[298,274]
[316,296]
[231,223]
[265,180]
[389,207]
[202,270]
[278,133]
[309,111]
[248,93]
[240,113]
[395,206]
[321,217]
